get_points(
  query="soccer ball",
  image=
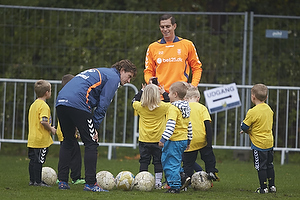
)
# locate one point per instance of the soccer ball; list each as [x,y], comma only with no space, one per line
[49,175]
[106,180]
[124,180]
[144,181]
[200,181]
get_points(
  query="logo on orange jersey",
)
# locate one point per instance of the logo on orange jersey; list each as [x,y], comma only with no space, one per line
[168,60]
[179,51]
[159,60]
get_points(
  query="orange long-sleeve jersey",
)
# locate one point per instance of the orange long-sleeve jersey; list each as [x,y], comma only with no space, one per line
[171,62]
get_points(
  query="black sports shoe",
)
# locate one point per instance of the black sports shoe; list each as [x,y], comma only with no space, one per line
[31,183]
[173,190]
[261,190]
[41,184]
[213,176]
[186,183]
[272,189]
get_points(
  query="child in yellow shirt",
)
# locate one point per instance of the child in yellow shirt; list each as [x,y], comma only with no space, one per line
[40,130]
[202,137]
[152,121]
[176,137]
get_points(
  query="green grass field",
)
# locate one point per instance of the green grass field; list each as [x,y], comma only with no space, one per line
[238,179]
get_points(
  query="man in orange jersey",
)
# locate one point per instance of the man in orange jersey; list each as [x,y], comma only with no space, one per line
[170,58]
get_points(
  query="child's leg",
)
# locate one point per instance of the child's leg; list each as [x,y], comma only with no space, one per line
[189,159]
[145,156]
[208,156]
[31,163]
[270,169]
[37,159]
[156,154]
[171,161]
[260,164]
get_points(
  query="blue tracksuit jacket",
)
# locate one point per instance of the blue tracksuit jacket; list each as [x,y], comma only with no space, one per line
[93,88]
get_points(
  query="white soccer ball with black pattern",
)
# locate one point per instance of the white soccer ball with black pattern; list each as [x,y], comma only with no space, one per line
[124,180]
[49,175]
[106,180]
[144,181]
[200,181]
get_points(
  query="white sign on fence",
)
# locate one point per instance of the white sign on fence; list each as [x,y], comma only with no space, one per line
[222,98]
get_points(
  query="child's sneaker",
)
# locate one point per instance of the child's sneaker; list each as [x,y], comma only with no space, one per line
[31,183]
[272,189]
[41,184]
[165,186]
[79,181]
[213,176]
[94,188]
[158,186]
[186,183]
[173,190]
[184,189]
[261,191]
[63,185]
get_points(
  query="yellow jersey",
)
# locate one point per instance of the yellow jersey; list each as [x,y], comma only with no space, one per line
[260,122]
[39,136]
[151,123]
[181,127]
[198,115]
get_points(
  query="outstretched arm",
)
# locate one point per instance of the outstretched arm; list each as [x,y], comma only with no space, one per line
[137,96]
[164,93]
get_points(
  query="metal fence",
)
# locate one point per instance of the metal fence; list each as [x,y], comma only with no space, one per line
[47,43]
[120,126]
[276,54]
[284,101]
[18,94]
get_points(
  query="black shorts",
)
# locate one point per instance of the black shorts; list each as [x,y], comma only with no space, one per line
[37,155]
[263,159]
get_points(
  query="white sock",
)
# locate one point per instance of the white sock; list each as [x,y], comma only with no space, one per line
[158,177]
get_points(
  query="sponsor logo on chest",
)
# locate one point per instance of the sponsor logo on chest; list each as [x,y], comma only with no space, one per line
[172,59]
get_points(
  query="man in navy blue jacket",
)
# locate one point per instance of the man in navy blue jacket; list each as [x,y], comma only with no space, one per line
[82,103]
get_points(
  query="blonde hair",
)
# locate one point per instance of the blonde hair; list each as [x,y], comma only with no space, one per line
[150,97]
[192,92]
[180,88]
[41,87]
[260,91]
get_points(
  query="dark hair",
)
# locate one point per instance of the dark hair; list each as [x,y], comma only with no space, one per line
[166,17]
[66,78]
[127,65]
